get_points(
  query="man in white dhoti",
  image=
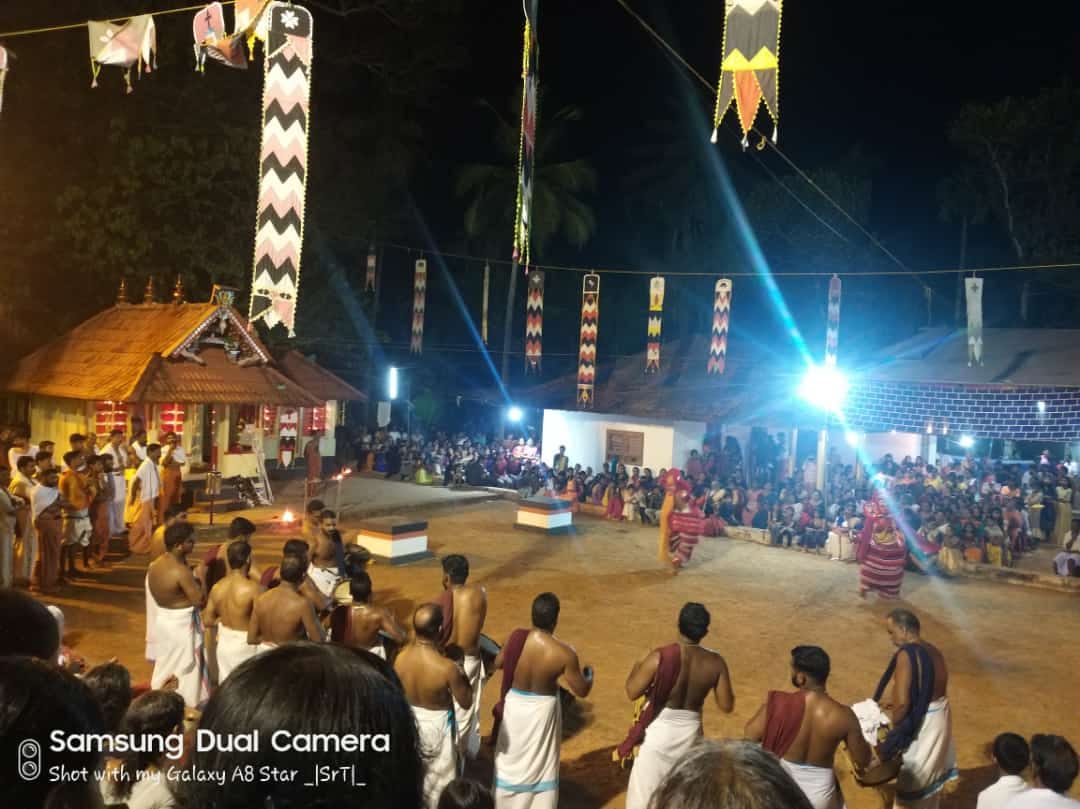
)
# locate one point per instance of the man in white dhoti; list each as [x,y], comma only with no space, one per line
[178,628]
[1054,767]
[432,684]
[327,555]
[119,453]
[913,694]
[464,609]
[21,488]
[229,608]
[528,717]
[804,729]
[673,681]
[145,490]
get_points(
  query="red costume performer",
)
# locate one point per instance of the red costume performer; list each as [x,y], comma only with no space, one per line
[686,524]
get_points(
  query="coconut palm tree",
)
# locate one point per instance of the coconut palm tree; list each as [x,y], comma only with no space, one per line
[559,183]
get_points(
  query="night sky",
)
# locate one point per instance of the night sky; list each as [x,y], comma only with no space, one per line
[884,77]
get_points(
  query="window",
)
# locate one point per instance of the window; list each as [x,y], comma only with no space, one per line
[109,416]
[628,447]
[171,419]
[242,427]
[314,420]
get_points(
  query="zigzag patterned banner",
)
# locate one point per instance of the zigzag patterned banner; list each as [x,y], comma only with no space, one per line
[372,266]
[416,346]
[721,317]
[279,230]
[656,319]
[832,326]
[534,322]
[590,318]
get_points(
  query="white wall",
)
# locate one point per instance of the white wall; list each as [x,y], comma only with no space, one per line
[876,445]
[584,435]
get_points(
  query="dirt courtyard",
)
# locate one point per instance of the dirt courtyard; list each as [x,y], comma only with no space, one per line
[1012,651]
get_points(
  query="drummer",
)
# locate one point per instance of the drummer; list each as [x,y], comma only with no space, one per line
[464,608]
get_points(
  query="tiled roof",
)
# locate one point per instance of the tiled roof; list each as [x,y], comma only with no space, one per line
[222,381]
[317,380]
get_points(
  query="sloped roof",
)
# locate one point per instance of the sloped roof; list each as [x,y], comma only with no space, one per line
[221,380]
[1010,357]
[132,352]
[317,380]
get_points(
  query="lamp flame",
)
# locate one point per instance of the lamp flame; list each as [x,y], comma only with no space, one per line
[288,517]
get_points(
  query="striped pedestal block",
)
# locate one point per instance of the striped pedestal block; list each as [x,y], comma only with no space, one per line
[545,514]
[399,540]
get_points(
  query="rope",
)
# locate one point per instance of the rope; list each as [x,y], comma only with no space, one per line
[74,25]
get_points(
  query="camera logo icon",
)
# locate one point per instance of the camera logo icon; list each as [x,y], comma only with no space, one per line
[29,759]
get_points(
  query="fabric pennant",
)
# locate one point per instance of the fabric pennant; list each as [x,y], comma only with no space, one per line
[416,346]
[534,322]
[372,266]
[484,304]
[656,317]
[832,326]
[530,72]
[750,67]
[207,27]
[721,316]
[590,319]
[974,289]
[279,228]
[133,44]
[251,21]
[5,57]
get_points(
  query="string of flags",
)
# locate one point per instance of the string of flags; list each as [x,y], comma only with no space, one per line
[133,44]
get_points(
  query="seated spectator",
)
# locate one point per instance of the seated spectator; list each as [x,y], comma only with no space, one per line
[38,700]
[110,684]
[279,690]
[1054,767]
[138,780]
[729,775]
[1011,754]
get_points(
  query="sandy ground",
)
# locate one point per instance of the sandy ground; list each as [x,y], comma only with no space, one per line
[1012,651]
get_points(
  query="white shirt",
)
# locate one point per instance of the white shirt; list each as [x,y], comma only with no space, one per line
[41,497]
[151,481]
[1041,799]
[140,450]
[15,453]
[998,794]
[119,455]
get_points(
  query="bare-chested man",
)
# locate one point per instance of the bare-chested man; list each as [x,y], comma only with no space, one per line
[433,684]
[282,614]
[804,728]
[361,623]
[173,515]
[178,630]
[327,555]
[464,609]
[270,577]
[913,693]
[528,715]
[229,608]
[675,679]
[214,565]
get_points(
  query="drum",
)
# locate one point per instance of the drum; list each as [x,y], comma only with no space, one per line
[489,650]
[879,772]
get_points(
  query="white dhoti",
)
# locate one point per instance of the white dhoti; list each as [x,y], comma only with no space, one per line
[929,762]
[232,650]
[468,716]
[527,752]
[667,739]
[438,746]
[116,507]
[179,640]
[817,783]
[151,621]
[326,579]
[379,650]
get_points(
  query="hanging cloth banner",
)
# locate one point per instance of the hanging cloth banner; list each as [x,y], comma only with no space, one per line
[251,22]
[484,305]
[832,325]
[749,72]
[416,346]
[372,266]
[720,323]
[656,317]
[279,229]
[974,289]
[4,56]
[133,44]
[534,322]
[211,40]
[590,318]
[527,143]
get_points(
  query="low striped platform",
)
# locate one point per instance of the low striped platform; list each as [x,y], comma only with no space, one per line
[547,515]
[398,539]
